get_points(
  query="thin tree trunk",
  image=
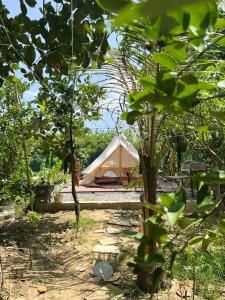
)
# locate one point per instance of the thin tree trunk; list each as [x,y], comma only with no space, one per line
[149,170]
[144,277]
[24,146]
[73,175]
[2,275]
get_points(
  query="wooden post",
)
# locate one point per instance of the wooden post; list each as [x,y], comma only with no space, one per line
[120,162]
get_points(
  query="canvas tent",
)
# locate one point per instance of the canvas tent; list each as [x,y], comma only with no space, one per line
[116,161]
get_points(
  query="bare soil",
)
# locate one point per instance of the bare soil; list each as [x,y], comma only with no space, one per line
[61,261]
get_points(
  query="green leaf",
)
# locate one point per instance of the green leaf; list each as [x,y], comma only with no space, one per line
[131,116]
[177,50]
[31,3]
[166,82]
[23,7]
[202,129]
[220,23]
[185,222]
[154,258]
[222,225]
[166,200]
[204,197]
[148,83]
[112,5]
[218,114]
[205,243]
[165,60]
[151,8]
[203,85]
[157,233]
[174,212]
[220,42]
[195,240]
[154,207]
[213,177]
[30,55]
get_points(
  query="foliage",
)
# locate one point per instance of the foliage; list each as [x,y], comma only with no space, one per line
[52,175]
[21,203]
[207,268]
[43,45]
[164,46]
[13,115]
[34,218]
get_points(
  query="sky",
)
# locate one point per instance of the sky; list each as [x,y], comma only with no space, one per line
[106,122]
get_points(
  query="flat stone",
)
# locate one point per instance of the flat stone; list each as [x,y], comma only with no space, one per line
[108,241]
[107,292]
[119,223]
[107,249]
[114,230]
[122,214]
[135,222]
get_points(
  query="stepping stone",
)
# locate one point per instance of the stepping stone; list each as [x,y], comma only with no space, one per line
[135,222]
[108,241]
[107,292]
[103,269]
[122,214]
[106,249]
[120,223]
[99,231]
[114,230]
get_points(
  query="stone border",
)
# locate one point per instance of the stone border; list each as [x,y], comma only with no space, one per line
[54,207]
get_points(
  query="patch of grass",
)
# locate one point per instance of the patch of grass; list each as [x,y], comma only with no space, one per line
[207,267]
[86,223]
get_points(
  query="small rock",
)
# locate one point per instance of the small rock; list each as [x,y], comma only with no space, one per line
[42,289]
[79,269]
[108,241]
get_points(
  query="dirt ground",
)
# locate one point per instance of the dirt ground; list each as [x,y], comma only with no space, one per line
[61,261]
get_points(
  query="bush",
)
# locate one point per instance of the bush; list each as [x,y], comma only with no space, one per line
[209,268]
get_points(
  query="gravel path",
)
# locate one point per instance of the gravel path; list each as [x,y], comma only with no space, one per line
[102,197]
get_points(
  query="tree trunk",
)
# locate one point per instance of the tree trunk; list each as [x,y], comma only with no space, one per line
[73,175]
[24,146]
[149,172]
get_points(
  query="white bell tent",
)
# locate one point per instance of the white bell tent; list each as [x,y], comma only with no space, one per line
[118,158]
